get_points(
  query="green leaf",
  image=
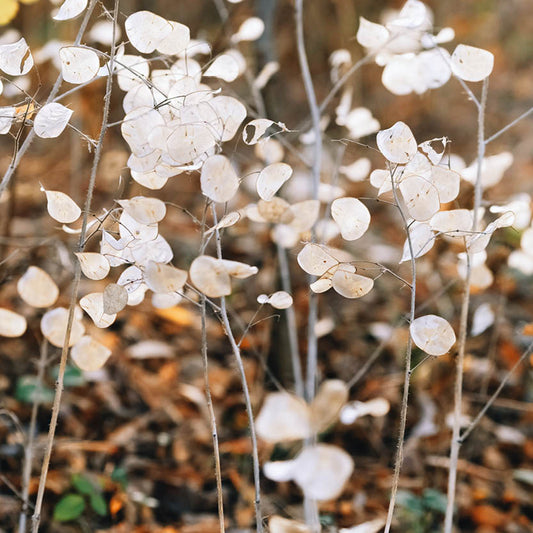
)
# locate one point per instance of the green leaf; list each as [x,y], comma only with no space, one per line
[73,376]
[410,502]
[69,507]
[434,500]
[29,390]
[98,504]
[83,484]
[120,476]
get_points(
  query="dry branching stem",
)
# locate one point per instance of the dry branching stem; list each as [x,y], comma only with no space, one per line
[463,326]
[36,518]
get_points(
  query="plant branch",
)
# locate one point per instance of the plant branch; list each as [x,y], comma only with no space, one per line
[30,442]
[77,276]
[17,158]
[509,126]
[496,393]
[458,387]
[246,392]
[407,375]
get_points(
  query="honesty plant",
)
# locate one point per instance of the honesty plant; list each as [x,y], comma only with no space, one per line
[177,120]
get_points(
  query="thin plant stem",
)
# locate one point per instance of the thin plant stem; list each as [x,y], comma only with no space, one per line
[509,126]
[17,158]
[310,507]
[398,460]
[30,442]
[209,399]
[292,331]
[246,391]
[458,386]
[36,518]
[495,394]
[212,419]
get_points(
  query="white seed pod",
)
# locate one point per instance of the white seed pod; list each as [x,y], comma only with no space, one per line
[157,250]
[37,288]
[150,180]
[226,221]
[162,278]
[102,32]
[176,41]
[93,305]
[472,64]
[51,120]
[492,169]
[230,113]
[250,30]
[280,471]
[447,183]
[482,319]
[144,210]
[305,214]
[352,216]
[315,260]
[166,300]
[61,207]
[322,470]
[70,9]
[224,67]
[322,284]
[89,355]
[397,143]
[371,35]
[271,178]
[283,417]
[278,524]
[456,222]
[78,65]
[351,285]
[432,334]
[7,117]
[360,123]
[54,326]
[326,405]
[190,141]
[421,197]
[146,30]
[278,300]
[275,211]
[93,265]
[115,299]
[132,72]
[218,180]
[210,276]
[255,130]
[328,192]
[354,410]
[11,324]
[358,170]
[238,270]
[422,240]
[16,58]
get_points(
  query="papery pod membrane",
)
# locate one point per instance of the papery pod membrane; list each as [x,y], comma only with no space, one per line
[432,334]
[322,470]
[37,288]
[93,265]
[326,405]
[54,326]
[210,276]
[89,355]
[283,417]
[11,324]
